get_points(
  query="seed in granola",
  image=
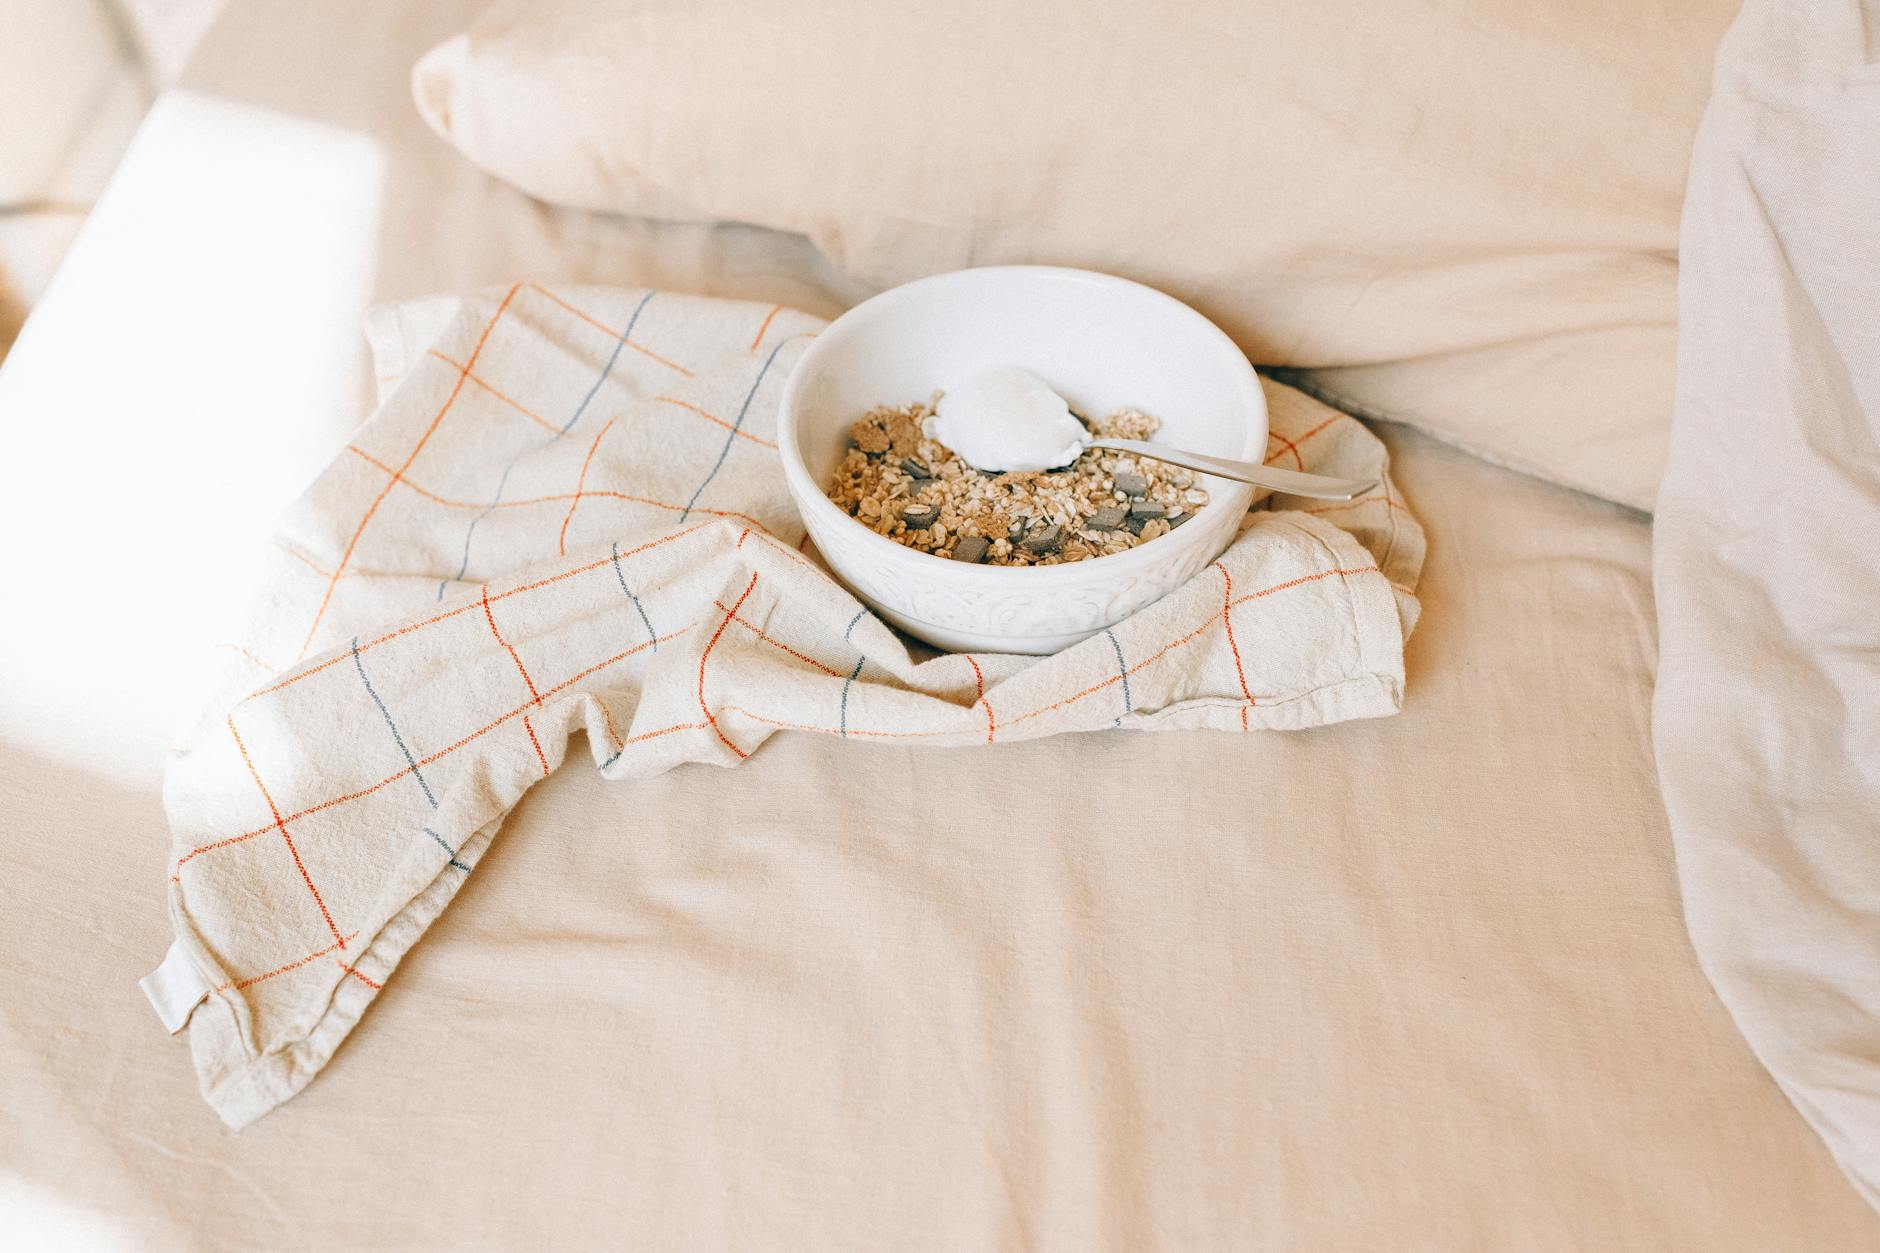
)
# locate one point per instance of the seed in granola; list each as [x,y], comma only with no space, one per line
[1131,484]
[1045,540]
[1108,518]
[972,548]
[920,517]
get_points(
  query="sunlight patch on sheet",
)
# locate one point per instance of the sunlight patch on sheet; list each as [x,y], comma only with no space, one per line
[36,1218]
[231,258]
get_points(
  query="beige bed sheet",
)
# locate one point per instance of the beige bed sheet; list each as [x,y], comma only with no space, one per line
[1416,983]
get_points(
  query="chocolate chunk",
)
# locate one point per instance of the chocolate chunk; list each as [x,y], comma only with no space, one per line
[1147,510]
[1180,518]
[1130,484]
[1135,524]
[916,469]
[920,517]
[971,548]
[1107,518]
[1045,540]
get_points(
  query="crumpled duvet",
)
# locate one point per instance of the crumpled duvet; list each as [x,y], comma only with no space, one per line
[1767,559]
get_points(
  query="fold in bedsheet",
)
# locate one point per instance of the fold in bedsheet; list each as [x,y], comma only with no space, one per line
[569,515]
[1766,558]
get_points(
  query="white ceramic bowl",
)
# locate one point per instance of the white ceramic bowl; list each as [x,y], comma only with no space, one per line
[1103,343]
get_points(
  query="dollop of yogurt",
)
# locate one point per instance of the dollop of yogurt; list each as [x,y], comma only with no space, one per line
[1006,418]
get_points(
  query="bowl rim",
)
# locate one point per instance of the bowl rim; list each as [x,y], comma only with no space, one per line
[812,499]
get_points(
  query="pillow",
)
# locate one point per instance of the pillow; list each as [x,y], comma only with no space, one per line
[1462,215]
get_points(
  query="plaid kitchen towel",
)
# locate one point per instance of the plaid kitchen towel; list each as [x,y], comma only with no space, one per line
[568,515]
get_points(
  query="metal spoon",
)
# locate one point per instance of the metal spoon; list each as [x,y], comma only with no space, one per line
[1291,482]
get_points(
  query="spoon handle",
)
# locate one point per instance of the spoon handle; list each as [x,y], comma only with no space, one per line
[1291,482]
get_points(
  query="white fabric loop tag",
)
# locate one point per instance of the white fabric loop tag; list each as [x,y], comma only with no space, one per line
[175,988]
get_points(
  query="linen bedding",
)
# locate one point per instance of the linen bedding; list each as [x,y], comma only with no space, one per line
[1420,982]
[1340,184]
[1767,716]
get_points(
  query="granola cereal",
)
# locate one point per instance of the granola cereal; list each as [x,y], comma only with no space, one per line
[917,492]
